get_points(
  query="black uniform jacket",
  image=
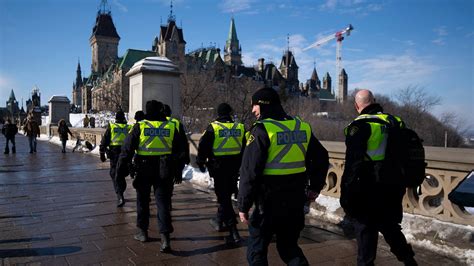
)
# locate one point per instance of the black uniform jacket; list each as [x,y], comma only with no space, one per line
[278,194]
[106,139]
[361,197]
[163,166]
[218,165]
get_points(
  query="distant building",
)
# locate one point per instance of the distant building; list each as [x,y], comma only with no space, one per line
[107,87]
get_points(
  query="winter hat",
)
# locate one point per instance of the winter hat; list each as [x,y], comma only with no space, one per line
[167,110]
[139,115]
[224,109]
[120,116]
[265,96]
[154,108]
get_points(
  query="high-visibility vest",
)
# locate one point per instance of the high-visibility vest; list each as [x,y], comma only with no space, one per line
[377,142]
[118,133]
[175,121]
[288,145]
[228,138]
[156,138]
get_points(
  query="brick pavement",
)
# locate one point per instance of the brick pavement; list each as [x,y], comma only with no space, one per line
[59,209]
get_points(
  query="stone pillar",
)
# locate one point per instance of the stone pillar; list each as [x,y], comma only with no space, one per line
[59,107]
[154,78]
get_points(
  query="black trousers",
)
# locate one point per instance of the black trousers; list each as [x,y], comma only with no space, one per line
[162,190]
[367,235]
[12,140]
[287,230]
[119,182]
[224,187]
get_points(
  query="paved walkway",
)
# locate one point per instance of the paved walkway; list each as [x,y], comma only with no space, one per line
[59,209]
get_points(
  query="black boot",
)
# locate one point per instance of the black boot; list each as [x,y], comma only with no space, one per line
[7,150]
[218,225]
[141,236]
[13,149]
[120,200]
[165,243]
[234,236]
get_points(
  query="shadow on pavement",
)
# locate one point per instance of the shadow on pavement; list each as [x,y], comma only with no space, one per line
[24,240]
[31,252]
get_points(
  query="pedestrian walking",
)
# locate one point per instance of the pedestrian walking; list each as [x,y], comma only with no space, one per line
[111,144]
[157,147]
[92,121]
[282,159]
[32,131]
[220,150]
[63,131]
[85,121]
[9,130]
[374,204]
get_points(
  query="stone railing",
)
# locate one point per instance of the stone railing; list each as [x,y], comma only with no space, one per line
[446,168]
[93,135]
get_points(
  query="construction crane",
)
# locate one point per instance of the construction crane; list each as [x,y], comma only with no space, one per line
[339,36]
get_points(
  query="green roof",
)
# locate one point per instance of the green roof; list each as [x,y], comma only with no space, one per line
[132,56]
[326,95]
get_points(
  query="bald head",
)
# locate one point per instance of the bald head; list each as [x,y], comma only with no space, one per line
[363,98]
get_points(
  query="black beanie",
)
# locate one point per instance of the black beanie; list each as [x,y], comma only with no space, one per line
[224,109]
[265,96]
[154,108]
[120,116]
[167,110]
[139,115]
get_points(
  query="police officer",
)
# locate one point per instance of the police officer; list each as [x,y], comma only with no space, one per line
[155,142]
[111,144]
[368,195]
[281,156]
[220,149]
[181,134]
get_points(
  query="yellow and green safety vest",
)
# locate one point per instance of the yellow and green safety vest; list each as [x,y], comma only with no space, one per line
[156,138]
[377,142]
[228,138]
[288,145]
[175,121]
[118,133]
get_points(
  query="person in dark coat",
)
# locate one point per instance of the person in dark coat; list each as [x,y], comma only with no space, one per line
[63,131]
[111,144]
[9,130]
[283,167]
[32,131]
[157,148]
[373,206]
[92,122]
[220,149]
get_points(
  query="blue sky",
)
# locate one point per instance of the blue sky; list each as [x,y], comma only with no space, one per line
[395,43]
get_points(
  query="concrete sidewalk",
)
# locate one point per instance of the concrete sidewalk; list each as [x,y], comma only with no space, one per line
[59,209]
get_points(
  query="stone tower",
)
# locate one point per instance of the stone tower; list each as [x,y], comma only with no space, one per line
[12,105]
[314,82]
[232,50]
[104,41]
[77,87]
[171,43]
[342,90]
[327,82]
[289,70]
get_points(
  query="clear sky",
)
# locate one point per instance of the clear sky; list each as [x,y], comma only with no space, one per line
[395,43]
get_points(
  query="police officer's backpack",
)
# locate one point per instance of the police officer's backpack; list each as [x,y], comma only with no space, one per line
[405,148]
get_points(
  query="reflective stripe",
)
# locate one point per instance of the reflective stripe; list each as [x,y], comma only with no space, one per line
[155,140]
[222,146]
[287,160]
[118,133]
[175,121]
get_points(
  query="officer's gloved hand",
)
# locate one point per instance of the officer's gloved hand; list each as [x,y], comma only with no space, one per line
[178,179]
[102,157]
[202,168]
[132,171]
